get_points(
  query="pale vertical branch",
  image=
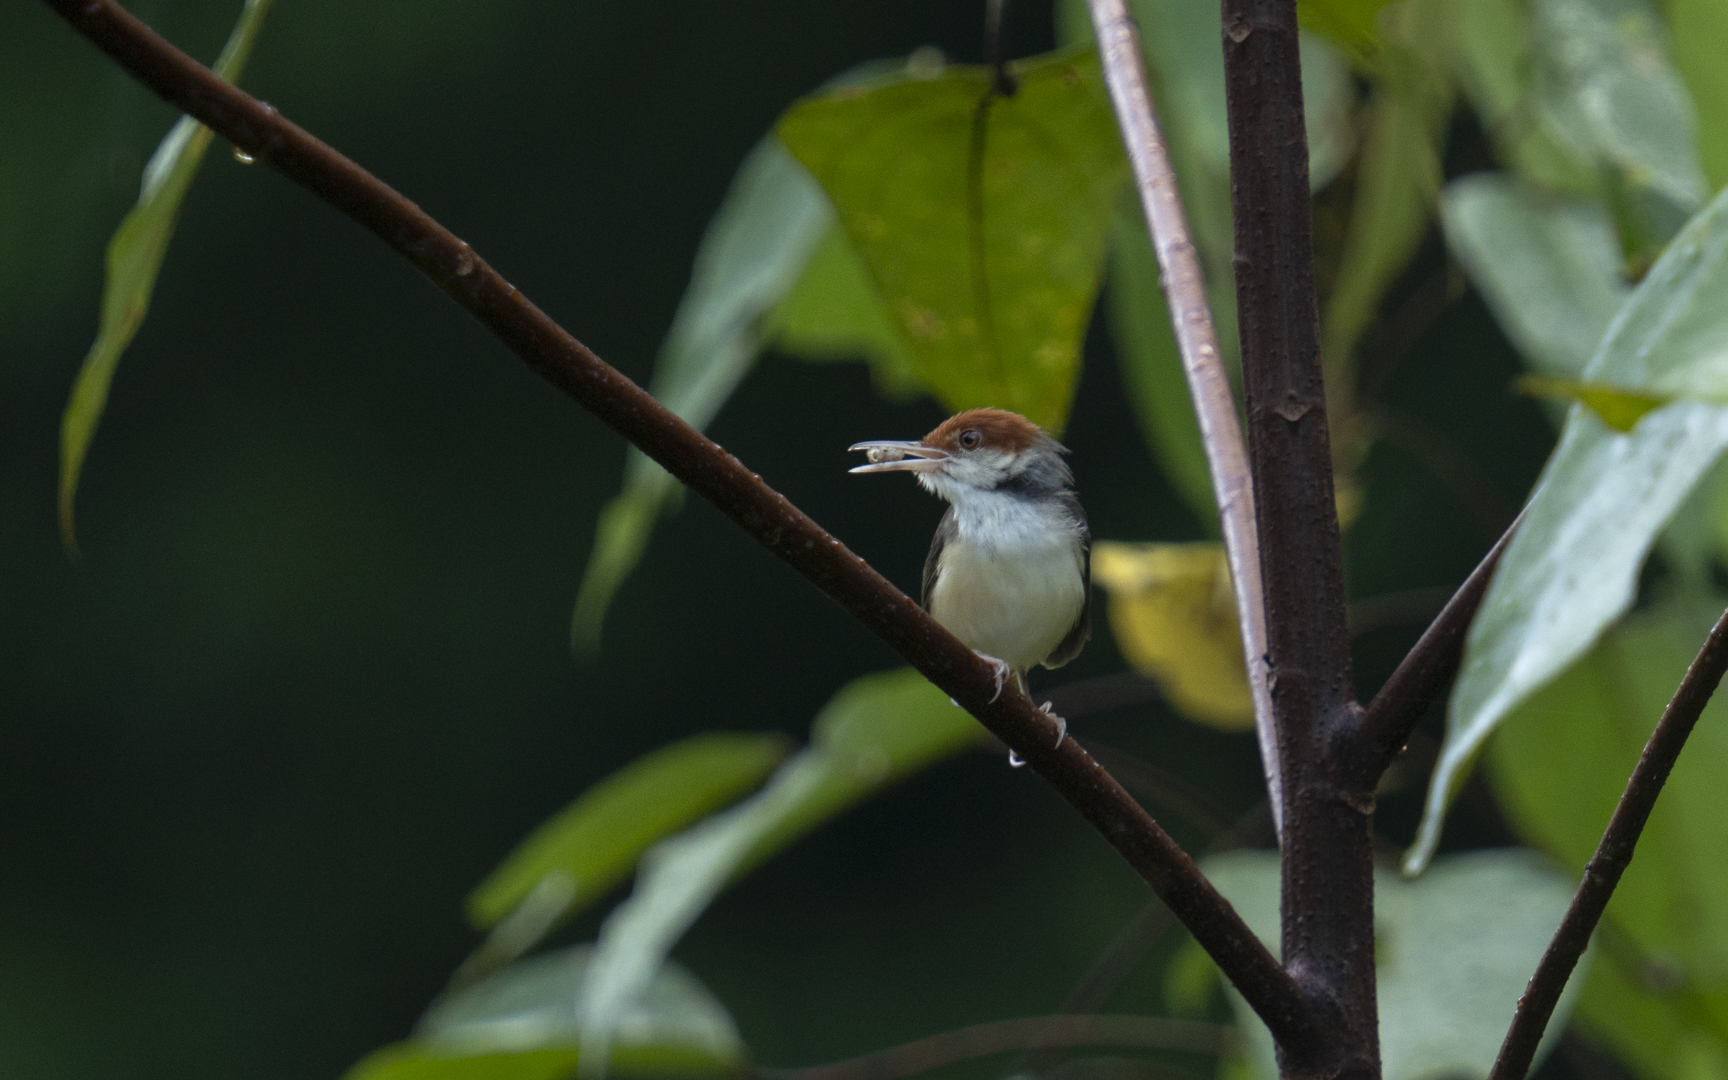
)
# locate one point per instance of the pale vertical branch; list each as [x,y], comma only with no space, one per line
[1214,403]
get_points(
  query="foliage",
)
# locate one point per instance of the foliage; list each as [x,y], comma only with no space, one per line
[956,239]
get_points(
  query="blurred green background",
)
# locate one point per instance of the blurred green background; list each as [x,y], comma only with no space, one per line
[309,680]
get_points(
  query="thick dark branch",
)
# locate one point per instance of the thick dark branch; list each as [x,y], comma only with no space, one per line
[1613,854]
[1328,864]
[258,130]
[1197,340]
[1422,674]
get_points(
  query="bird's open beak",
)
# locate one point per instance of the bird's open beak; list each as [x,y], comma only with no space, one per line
[888,455]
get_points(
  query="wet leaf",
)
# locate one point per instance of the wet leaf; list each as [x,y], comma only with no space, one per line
[988,275]
[754,251]
[1173,612]
[1619,409]
[1600,503]
[1658,992]
[134,257]
[874,731]
[1453,952]
[595,841]
[1605,89]
[1698,28]
[1548,268]
[520,1024]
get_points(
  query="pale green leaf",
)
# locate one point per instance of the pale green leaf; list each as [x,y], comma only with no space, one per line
[1600,503]
[134,257]
[595,841]
[835,313]
[521,1024]
[1549,269]
[1657,992]
[755,248]
[874,731]
[1452,951]
[1351,25]
[1606,91]
[988,275]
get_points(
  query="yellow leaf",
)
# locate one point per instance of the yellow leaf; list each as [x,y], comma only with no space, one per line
[1616,406]
[1173,612]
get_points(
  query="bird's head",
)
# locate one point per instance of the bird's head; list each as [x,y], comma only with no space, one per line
[975,451]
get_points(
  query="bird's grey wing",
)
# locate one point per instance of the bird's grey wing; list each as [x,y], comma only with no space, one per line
[945,532]
[1081,631]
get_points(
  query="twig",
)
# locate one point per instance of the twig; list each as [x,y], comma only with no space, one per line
[1197,339]
[1423,673]
[1001,1036]
[259,130]
[1327,843]
[1613,854]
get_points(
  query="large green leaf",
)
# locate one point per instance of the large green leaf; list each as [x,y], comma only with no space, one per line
[757,245]
[521,1024]
[595,841]
[874,731]
[835,313]
[134,256]
[1605,89]
[989,274]
[1603,497]
[1659,992]
[1452,954]
[1548,268]
[1699,28]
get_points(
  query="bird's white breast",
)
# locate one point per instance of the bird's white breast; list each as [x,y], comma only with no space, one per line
[1010,583]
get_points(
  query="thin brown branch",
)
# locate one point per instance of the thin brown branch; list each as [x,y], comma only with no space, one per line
[1197,340]
[1002,1036]
[1327,843]
[1613,855]
[260,131]
[1421,675]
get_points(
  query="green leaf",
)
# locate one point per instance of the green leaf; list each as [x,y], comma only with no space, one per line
[595,841]
[1151,364]
[1603,497]
[757,245]
[874,731]
[1548,268]
[1452,951]
[1348,24]
[989,275]
[134,257]
[1657,993]
[1619,409]
[520,1024]
[835,313]
[1699,28]
[1606,91]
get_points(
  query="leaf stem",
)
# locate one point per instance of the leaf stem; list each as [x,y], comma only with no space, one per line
[1613,854]
[705,467]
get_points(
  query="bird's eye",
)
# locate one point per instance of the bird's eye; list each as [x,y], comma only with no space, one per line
[969,440]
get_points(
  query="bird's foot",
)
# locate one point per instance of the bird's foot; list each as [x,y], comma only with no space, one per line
[1002,670]
[1061,723]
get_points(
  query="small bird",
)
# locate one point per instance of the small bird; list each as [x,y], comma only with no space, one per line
[1010,568]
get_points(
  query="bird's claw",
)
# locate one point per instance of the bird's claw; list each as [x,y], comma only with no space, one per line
[1061,722]
[1002,670]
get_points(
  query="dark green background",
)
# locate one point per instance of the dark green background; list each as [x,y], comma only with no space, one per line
[309,682]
